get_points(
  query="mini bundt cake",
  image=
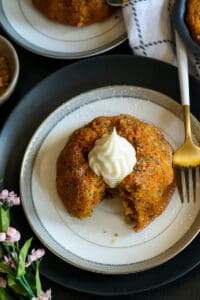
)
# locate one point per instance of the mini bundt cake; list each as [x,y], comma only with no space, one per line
[74,12]
[145,192]
[193,18]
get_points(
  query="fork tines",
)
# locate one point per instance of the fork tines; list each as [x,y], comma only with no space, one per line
[188,182]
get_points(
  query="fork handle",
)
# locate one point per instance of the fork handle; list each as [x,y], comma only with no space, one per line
[182,70]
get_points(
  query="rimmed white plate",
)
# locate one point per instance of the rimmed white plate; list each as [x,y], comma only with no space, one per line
[33,31]
[104,243]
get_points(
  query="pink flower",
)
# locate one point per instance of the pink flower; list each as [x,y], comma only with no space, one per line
[2,236]
[14,199]
[4,194]
[12,235]
[3,282]
[43,295]
[35,254]
[8,261]
[9,198]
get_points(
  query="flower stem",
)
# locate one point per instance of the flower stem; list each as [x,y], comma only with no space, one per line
[26,286]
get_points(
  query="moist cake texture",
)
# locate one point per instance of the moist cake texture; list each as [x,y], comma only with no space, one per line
[144,193]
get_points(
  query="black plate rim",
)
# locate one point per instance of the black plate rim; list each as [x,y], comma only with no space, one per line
[24,104]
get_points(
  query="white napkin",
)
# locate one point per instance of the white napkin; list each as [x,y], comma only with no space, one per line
[151,34]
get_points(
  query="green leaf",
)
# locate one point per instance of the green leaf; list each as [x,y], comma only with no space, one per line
[5,268]
[16,286]
[21,269]
[1,180]
[4,295]
[37,277]
[4,219]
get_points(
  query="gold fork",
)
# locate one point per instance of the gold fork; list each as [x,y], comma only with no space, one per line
[186,159]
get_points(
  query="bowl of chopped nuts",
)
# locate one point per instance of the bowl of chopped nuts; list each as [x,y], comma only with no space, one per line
[9,69]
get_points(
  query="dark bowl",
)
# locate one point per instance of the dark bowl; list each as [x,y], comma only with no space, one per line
[179,13]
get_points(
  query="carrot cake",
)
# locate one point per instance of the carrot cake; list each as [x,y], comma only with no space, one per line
[74,12]
[145,192]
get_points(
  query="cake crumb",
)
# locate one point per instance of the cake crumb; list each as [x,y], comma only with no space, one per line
[116,235]
[114,241]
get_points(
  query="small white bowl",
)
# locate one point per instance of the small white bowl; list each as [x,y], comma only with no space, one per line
[8,51]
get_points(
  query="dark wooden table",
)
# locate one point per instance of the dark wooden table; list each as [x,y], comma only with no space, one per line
[34,68]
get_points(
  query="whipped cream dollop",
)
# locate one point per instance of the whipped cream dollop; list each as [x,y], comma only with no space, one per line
[112,157]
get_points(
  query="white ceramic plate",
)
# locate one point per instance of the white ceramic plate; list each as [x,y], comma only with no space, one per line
[104,243]
[32,30]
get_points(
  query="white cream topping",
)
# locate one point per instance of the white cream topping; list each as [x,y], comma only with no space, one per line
[112,157]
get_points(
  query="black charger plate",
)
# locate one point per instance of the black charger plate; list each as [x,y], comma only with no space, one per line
[37,105]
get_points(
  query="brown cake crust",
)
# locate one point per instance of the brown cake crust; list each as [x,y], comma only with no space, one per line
[145,193]
[74,12]
[193,18]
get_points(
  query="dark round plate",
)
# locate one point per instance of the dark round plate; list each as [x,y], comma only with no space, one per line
[182,28]
[37,105]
